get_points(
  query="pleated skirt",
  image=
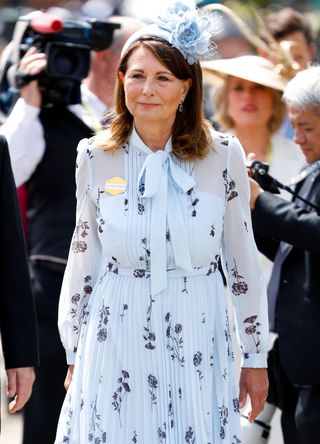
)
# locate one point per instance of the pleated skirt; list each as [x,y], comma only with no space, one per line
[153,370]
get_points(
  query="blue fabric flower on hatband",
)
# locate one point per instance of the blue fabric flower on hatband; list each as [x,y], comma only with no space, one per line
[190,32]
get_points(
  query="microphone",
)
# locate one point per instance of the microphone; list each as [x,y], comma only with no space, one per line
[46,23]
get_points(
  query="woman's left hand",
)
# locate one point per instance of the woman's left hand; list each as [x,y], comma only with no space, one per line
[69,376]
[253,382]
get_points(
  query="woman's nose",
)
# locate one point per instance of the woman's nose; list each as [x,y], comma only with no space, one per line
[148,87]
[249,92]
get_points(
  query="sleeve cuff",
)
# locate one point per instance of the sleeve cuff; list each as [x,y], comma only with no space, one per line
[23,113]
[254,360]
[71,357]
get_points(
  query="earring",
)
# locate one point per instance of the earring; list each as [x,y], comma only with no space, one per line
[180,107]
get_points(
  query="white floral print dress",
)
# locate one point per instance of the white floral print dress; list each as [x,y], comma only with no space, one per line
[143,312]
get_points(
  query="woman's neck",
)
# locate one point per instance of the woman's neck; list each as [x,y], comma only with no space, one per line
[255,140]
[154,136]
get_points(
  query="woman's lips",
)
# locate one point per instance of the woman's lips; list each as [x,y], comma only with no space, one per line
[148,104]
[250,108]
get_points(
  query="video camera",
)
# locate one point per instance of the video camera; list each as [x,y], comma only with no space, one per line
[67,45]
[259,172]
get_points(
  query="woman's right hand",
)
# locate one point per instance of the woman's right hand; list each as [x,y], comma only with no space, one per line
[69,376]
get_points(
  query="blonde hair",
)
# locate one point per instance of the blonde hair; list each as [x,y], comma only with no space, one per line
[226,122]
[191,136]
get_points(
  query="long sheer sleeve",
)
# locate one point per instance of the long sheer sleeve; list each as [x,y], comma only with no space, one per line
[83,261]
[241,263]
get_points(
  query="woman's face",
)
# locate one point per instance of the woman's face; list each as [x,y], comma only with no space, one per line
[152,92]
[249,104]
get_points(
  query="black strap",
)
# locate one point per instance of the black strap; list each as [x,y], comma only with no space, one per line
[48,265]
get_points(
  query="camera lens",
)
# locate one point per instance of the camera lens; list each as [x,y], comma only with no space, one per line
[64,63]
[68,60]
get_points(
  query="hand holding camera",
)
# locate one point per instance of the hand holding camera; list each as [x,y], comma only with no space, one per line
[260,180]
[258,171]
[54,52]
[31,65]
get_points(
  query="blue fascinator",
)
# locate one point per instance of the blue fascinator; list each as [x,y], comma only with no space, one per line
[185,27]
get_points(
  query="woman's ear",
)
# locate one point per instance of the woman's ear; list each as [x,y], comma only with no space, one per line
[185,88]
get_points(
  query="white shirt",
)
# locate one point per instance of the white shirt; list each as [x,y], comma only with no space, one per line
[24,132]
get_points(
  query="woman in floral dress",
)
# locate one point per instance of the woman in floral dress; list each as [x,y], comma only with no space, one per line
[142,315]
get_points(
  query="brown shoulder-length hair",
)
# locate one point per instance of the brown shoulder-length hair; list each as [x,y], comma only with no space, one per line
[191,137]
[223,118]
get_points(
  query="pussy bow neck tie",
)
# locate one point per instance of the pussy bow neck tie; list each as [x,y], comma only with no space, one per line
[161,180]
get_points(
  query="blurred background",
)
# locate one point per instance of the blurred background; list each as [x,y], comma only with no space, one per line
[11,9]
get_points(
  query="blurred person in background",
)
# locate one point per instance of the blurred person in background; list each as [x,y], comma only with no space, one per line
[42,144]
[292,30]
[233,38]
[249,105]
[17,311]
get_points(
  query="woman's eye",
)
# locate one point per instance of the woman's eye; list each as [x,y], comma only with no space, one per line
[163,78]
[237,88]
[260,88]
[136,76]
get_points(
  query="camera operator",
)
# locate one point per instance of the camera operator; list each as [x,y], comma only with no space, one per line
[42,143]
[289,234]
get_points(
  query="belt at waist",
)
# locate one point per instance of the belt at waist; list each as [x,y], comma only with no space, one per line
[174,272]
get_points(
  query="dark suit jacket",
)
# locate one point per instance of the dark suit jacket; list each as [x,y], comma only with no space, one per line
[17,311]
[298,302]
